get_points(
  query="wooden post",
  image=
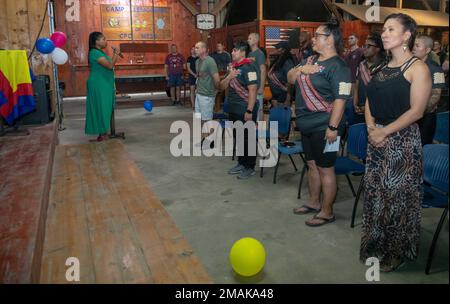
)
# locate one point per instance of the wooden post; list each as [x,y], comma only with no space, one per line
[426,4]
[399,4]
[204,8]
[442,6]
[260,10]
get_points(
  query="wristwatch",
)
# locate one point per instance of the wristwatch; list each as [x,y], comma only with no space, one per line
[249,111]
[332,128]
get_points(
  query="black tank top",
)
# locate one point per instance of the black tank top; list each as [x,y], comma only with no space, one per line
[389,93]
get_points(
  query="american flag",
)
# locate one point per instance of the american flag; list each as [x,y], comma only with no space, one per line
[275,34]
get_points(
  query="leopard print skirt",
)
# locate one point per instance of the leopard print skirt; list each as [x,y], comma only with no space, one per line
[393,197]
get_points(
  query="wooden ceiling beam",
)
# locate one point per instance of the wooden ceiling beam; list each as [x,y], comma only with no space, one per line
[189,6]
[333,8]
[219,6]
[426,4]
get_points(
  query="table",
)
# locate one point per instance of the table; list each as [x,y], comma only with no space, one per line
[144,84]
[140,83]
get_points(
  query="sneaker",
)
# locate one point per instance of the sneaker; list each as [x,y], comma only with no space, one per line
[246,173]
[236,169]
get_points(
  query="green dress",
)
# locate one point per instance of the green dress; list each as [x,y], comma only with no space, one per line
[101,95]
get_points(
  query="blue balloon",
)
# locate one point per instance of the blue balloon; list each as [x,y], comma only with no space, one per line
[148,105]
[45,45]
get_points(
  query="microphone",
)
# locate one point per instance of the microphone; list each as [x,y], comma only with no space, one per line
[115,49]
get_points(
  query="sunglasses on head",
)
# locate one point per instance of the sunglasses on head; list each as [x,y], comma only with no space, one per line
[316,35]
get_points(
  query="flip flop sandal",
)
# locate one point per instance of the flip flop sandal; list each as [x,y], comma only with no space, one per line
[391,268]
[308,210]
[325,221]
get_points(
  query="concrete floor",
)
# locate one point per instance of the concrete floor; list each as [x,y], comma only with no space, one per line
[213,209]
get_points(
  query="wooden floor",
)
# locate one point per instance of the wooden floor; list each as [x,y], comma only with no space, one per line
[25,175]
[102,211]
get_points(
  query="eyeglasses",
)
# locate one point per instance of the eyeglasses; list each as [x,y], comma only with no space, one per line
[366,46]
[316,35]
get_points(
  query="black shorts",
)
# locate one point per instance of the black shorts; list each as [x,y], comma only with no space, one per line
[192,80]
[313,145]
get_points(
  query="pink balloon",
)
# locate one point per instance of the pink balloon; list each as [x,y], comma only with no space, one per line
[59,39]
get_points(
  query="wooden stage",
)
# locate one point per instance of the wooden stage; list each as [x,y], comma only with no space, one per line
[103,212]
[96,207]
[25,175]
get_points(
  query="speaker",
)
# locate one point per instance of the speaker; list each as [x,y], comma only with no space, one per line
[42,96]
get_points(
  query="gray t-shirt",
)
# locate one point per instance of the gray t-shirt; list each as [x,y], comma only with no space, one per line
[206,68]
[258,58]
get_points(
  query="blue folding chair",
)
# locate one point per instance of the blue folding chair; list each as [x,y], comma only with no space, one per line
[349,112]
[225,110]
[282,115]
[357,147]
[441,133]
[435,177]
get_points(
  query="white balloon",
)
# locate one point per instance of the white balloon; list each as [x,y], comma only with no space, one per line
[59,56]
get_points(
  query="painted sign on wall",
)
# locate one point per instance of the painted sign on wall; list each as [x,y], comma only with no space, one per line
[116,23]
[142,17]
[142,23]
[163,23]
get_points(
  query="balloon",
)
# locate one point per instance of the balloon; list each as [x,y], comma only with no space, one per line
[59,39]
[45,45]
[148,105]
[59,56]
[247,257]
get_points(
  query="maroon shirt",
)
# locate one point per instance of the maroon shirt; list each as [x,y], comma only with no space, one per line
[175,63]
[353,59]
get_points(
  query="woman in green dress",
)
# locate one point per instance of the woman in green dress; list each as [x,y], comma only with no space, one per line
[100,100]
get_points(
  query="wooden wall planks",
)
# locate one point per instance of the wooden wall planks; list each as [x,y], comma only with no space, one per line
[74,74]
[20,22]
[4,33]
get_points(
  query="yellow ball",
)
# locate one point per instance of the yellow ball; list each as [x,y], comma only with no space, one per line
[247,257]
